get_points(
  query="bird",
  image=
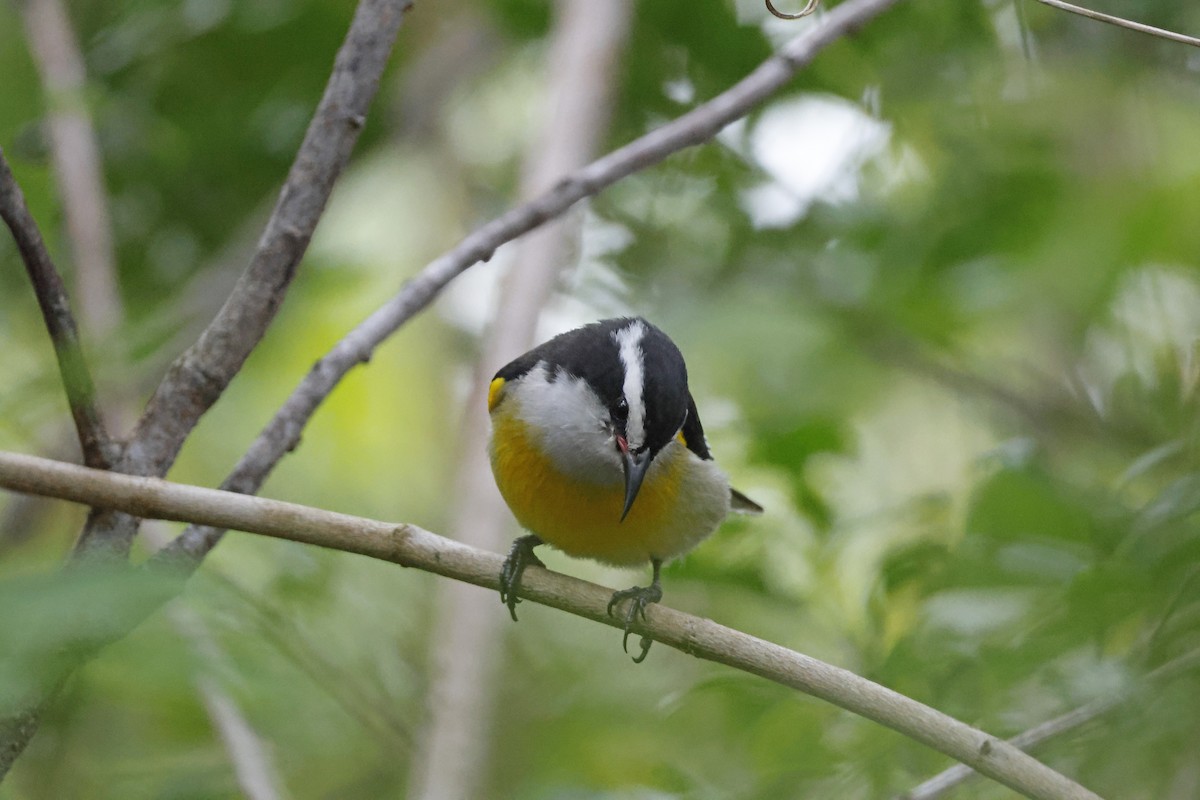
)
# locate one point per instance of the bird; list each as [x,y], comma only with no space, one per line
[598,450]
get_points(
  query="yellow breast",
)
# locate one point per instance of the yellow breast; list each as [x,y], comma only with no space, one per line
[584,519]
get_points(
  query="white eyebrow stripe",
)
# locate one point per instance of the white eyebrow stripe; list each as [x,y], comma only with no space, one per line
[629,345]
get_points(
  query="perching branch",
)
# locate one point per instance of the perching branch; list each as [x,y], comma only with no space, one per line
[699,125]
[944,781]
[60,322]
[200,375]
[410,546]
[1122,22]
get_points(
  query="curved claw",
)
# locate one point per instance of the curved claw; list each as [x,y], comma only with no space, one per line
[519,557]
[641,596]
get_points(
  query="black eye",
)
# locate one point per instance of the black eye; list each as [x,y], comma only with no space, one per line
[621,410]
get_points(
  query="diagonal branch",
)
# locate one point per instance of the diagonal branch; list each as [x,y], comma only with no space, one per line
[282,433]
[200,375]
[410,546]
[60,322]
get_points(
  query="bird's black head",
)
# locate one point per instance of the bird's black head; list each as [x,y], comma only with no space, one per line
[637,374]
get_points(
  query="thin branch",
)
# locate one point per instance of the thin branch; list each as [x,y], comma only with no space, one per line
[1122,22]
[200,375]
[253,766]
[944,781]
[410,546]
[60,322]
[282,433]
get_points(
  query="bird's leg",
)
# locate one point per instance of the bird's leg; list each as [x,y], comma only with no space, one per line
[519,557]
[641,596]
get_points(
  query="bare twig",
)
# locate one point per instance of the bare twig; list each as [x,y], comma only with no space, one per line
[944,781]
[282,433]
[56,311]
[200,375]
[1122,22]
[410,546]
[76,159]
[586,41]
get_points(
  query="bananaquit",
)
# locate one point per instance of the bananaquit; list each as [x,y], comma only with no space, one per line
[598,450]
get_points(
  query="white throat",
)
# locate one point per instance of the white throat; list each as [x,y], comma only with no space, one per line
[570,423]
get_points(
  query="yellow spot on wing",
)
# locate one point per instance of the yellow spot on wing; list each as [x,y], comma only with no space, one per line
[495,393]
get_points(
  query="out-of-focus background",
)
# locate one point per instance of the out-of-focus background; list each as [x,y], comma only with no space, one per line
[940,301]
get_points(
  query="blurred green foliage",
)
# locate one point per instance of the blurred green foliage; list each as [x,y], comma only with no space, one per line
[952,347]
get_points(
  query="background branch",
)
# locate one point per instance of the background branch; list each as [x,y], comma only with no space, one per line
[282,433]
[944,781]
[77,164]
[253,766]
[410,546]
[367,704]
[586,42]
[60,323]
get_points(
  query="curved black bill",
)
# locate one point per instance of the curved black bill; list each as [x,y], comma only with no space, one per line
[635,465]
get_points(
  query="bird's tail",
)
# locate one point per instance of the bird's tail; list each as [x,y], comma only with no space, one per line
[741,504]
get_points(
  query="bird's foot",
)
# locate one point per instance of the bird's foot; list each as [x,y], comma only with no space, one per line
[640,597]
[519,557]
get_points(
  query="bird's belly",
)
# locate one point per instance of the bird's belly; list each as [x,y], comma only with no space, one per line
[672,513]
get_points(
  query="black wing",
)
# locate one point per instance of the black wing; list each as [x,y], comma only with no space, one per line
[693,432]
